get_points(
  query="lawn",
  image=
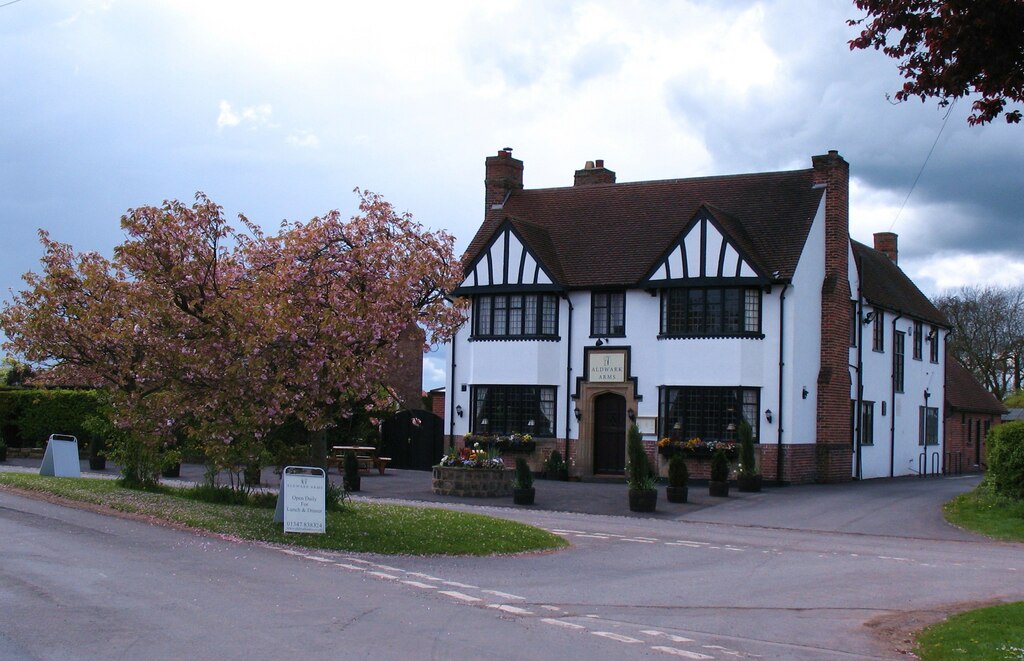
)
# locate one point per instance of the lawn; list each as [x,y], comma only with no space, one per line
[984,512]
[359,527]
[996,632]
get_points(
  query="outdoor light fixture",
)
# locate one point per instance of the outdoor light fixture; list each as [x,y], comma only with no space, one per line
[601,342]
[632,414]
[868,318]
[458,410]
[678,425]
[576,412]
[529,423]
[768,415]
[932,334]
[803,395]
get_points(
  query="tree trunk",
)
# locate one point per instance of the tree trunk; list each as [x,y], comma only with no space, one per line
[318,448]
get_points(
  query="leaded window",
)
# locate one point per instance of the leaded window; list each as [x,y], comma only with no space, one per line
[513,409]
[708,413]
[515,315]
[928,426]
[711,312]
[607,314]
[898,341]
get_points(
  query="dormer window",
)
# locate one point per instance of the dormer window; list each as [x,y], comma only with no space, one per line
[711,312]
[520,316]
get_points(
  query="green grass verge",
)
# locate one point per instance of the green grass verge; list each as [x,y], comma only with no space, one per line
[987,513]
[996,632]
[361,527]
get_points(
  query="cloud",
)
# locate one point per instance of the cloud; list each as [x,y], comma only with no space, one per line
[303,139]
[433,373]
[253,116]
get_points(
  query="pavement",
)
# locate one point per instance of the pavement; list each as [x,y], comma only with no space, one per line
[900,507]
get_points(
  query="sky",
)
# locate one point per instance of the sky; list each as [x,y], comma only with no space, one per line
[279,110]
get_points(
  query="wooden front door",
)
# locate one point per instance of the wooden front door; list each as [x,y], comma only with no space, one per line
[609,433]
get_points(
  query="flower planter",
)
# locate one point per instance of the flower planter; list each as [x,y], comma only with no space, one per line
[718,489]
[643,500]
[472,482]
[677,494]
[749,483]
[523,496]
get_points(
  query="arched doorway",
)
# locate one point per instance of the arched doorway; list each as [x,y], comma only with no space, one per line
[609,433]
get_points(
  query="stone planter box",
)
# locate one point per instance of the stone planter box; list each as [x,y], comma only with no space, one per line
[472,482]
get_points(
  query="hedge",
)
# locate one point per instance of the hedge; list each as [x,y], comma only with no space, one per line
[1005,454]
[29,415]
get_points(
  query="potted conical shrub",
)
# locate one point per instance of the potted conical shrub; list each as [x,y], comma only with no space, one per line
[678,476]
[523,491]
[641,480]
[555,468]
[748,477]
[719,484]
[350,479]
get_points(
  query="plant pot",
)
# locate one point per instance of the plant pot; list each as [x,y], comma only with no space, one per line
[677,494]
[351,483]
[173,470]
[551,474]
[563,474]
[749,483]
[97,463]
[643,500]
[718,489]
[523,496]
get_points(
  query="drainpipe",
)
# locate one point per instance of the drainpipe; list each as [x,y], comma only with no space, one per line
[858,415]
[892,397]
[451,399]
[568,380]
[782,327]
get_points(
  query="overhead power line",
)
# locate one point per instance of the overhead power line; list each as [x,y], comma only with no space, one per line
[926,159]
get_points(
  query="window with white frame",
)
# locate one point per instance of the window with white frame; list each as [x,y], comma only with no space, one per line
[928,426]
[708,413]
[898,342]
[515,316]
[499,409]
[711,312]
[878,319]
[918,340]
[608,314]
[933,344]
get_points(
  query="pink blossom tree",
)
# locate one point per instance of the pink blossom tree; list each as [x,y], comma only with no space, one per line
[195,328]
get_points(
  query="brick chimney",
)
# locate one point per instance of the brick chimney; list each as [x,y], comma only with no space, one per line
[594,172]
[886,242]
[504,174]
[834,460]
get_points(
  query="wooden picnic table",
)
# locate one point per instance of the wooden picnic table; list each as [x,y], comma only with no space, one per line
[366,455]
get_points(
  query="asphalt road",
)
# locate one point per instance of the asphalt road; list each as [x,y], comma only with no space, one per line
[756,580]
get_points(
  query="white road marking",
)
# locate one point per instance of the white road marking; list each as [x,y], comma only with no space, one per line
[686,654]
[593,536]
[568,532]
[317,558]
[616,636]
[456,584]
[424,576]
[380,574]
[673,638]
[352,567]
[388,568]
[459,596]
[639,541]
[551,608]
[560,623]
[504,595]
[422,586]
[505,608]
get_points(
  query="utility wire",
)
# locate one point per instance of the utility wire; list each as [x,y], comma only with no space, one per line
[9,3]
[926,159]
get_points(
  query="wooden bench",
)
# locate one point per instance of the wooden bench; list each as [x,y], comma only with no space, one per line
[381,463]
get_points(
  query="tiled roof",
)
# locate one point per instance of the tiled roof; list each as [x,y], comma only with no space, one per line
[964,393]
[613,234]
[886,285]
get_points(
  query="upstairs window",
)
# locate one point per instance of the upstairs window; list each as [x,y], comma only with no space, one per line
[853,323]
[608,314]
[918,340]
[878,319]
[898,341]
[711,312]
[933,344]
[515,316]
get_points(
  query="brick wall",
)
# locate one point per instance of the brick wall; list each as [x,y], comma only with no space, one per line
[503,174]
[832,460]
[406,378]
[960,429]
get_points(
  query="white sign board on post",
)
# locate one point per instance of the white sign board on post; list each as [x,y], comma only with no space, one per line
[61,457]
[302,499]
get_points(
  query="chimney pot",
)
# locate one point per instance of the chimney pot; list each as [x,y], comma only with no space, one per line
[886,242]
[594,173]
